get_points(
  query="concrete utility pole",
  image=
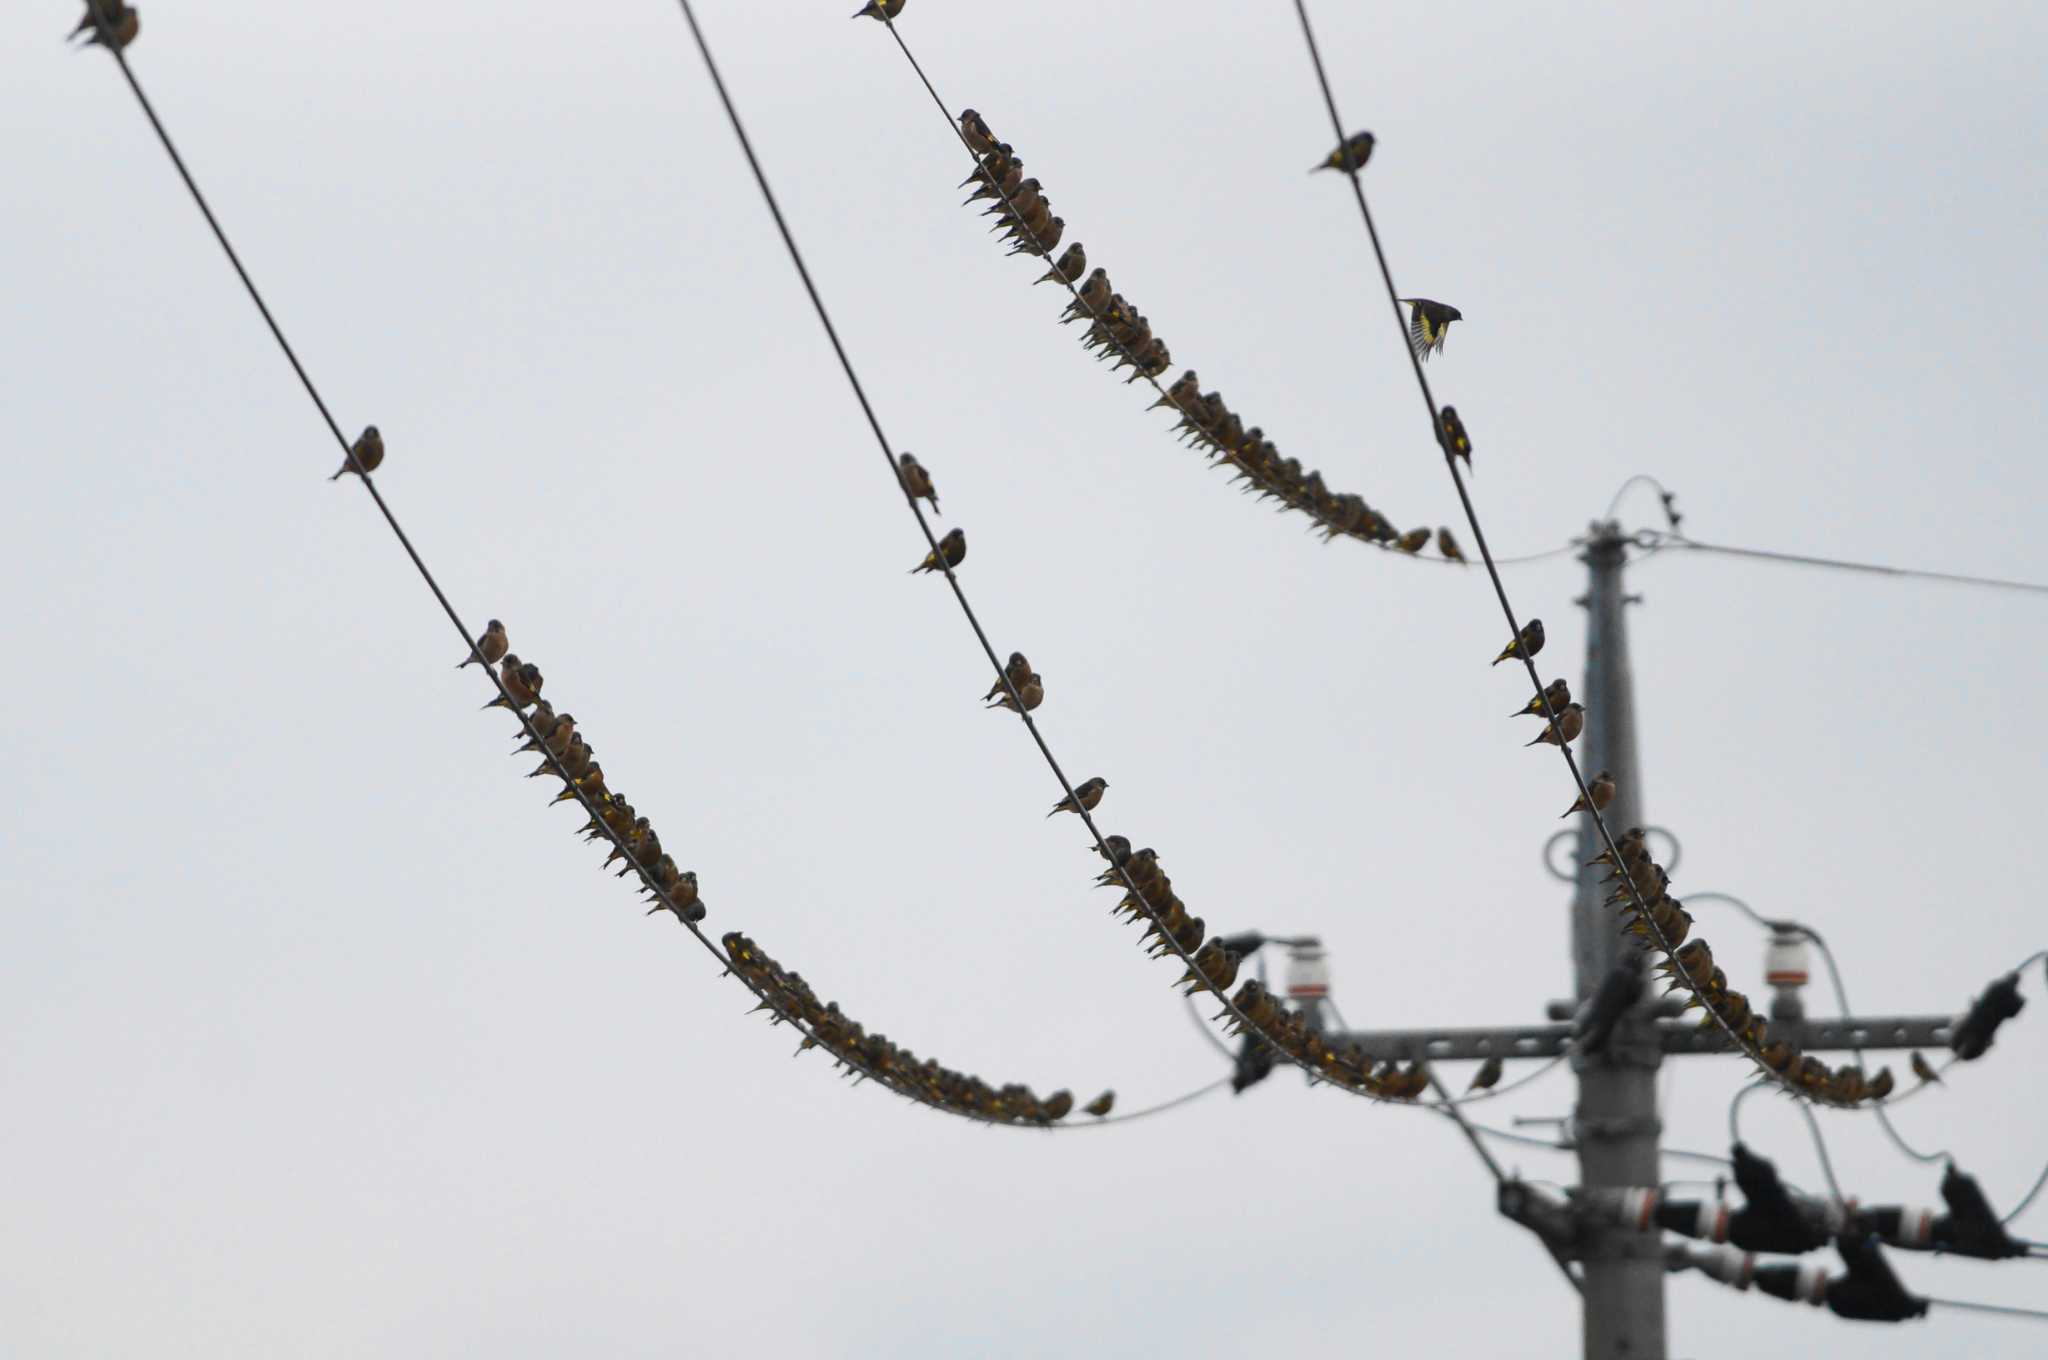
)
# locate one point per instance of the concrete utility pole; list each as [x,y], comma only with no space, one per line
[1616,1118]
[1614,1127]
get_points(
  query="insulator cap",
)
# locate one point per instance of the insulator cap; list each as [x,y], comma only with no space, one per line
[1785,961]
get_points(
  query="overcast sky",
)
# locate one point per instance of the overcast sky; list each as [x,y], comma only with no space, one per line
[321,1034]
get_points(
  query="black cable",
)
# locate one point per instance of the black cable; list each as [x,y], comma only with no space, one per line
[1486,553]
[662,895]
[1839,564]
[1989,1308]
[1164,394]
[889,457]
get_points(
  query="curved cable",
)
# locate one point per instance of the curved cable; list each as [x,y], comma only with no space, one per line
[1599,821]
[1161,1108]
[1643,479]
[959,595]
[2027,1200]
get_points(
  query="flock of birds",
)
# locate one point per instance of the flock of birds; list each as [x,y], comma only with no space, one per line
[1119,332]
[1656,919]
[786,995]
[568,756]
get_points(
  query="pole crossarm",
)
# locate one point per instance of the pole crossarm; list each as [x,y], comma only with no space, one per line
[1868,1032]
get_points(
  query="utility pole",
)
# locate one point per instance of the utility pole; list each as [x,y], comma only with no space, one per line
[1615,1128]
[1616,1118]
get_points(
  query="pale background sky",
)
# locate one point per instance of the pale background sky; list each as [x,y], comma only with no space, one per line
[321,1035]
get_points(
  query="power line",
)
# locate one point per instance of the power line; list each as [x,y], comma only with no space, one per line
[959,595]
[1161,1108]
[1492,568]
[662,895]
[2001,1308]
[1677,540]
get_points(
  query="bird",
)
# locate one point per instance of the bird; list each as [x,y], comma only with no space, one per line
[1427,323]
[980,140]
[1880,1085]
[1017,668]
[1413,541]
[1457,444]
[522,682]
[1527,643]
[1095,294]
[1924,1070]
[490,647]
[1032,692]
[591,785]
[1088,791]
[366,454]
[1564,731]
[1351,156]
[108,11]
[1558,694]
[1102,1104]
[952,550]
[1487,1075]
[123,21]
[1115,849]
[1448,546]
[917,482]
[1070,266]
[1602,789]
[879,9]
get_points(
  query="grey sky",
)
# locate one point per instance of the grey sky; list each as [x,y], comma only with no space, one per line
[321,1035]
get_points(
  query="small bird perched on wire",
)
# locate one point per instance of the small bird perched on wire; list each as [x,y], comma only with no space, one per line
[1102,1104]
[1457,443]
[490,647]
[1069,268]
[1564,731]
[122,21]
[1427,323]
[980,139]
[1032,692]
[1602,789]
[1017,668]
[952,550]
[1349,157]
[1088,791]
[367,453]
[917,482]
[1880,1085]
[1924,1070]
[879,9]
[1487,1076]
[522,681]
[1412,542]
[1558,693]
[1448,546]
[1527,643]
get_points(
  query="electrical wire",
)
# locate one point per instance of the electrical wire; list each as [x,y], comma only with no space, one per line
[1820,1145]
[1486,553]
[1161,1108]
[661,895]
[959,595]
[1643,479]
[1678,540]
[2027,1200]
[1999,1308]
[1165,395]
[1448,1107]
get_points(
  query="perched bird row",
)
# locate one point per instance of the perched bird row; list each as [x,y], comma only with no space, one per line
[1662,923]
[786,996]
[108,19]
[565,754]
[1119,332]
[1213,966]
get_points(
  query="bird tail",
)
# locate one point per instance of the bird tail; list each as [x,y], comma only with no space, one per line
[1539,737]
[1057,811]
[460,664]
[499,702]
[339,475]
